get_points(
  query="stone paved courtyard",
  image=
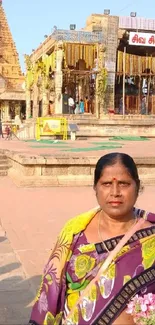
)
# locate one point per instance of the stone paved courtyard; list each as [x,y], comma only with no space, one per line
[88,147]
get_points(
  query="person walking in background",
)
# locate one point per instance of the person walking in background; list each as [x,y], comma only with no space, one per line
[86,105]
[1,129]
[8,132]
[77,108]
[91,105]
[71,105]
[143,105]
[81,106]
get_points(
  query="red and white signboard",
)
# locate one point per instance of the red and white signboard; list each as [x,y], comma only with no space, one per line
[142,39]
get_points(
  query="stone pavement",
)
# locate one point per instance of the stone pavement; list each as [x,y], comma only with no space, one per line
[16,291]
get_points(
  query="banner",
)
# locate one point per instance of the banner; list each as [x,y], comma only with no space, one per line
[142,39]
[46,126]
[51,127]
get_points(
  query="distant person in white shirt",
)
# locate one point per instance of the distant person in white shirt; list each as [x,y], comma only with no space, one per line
[71,105]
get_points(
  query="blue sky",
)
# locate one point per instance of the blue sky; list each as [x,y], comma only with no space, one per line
[30,20]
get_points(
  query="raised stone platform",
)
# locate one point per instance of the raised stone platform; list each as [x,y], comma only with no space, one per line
[35,171]
[106,126]
[71,163]
[116,126]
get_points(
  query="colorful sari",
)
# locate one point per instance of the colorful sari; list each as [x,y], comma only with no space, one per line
[74,263]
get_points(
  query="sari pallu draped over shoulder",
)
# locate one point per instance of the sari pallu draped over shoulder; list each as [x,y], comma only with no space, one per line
[50,301]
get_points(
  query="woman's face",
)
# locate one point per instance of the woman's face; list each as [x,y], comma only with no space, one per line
[116,191]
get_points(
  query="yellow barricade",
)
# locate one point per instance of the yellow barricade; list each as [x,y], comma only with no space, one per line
[46,126]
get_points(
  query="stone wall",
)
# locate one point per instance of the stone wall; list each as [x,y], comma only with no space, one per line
[110,128]
[38,171]
[107,127]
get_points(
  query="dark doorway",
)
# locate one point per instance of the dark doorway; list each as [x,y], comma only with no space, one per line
[40,109]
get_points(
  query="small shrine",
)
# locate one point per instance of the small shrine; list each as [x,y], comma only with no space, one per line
[65,65]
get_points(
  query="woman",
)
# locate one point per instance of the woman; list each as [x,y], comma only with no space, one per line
[77,108]
[87,241]
[81,105]
[86,105]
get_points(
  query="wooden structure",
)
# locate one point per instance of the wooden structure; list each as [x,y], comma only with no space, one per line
[139,72]
[12,94]
[134,71]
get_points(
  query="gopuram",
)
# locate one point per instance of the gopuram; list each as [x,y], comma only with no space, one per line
[12,80]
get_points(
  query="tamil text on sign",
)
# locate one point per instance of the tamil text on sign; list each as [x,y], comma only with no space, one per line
[142,39]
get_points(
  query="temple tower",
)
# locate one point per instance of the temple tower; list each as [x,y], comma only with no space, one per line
[12,94]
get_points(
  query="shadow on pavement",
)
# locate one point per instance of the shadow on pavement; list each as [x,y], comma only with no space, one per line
[16,295]
[16,302]
[8,268]
[2,239]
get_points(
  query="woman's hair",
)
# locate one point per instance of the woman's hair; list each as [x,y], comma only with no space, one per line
[110,160]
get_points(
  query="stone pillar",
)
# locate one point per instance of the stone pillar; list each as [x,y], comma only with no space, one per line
[45,102]
[17,108]
[5,111]
[35,101]
[99,102]
[28,104]
[17,111]
[80,90]
[110,26]
[58,79]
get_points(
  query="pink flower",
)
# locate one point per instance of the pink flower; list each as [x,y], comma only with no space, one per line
[142,309]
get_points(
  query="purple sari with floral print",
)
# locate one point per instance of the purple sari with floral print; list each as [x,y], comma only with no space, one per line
[132,272]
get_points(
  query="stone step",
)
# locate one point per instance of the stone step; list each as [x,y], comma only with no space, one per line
[2,156]
[4,167]
[3,173]
[3,162]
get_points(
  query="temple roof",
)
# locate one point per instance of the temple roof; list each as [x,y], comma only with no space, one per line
[9,60]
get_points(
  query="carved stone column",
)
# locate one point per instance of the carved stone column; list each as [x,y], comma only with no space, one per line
[97,102]
[17,108]
[58,78]
[101,61]
[28,104]
[45,102]
[110,30]
[5,111]
[35,101]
